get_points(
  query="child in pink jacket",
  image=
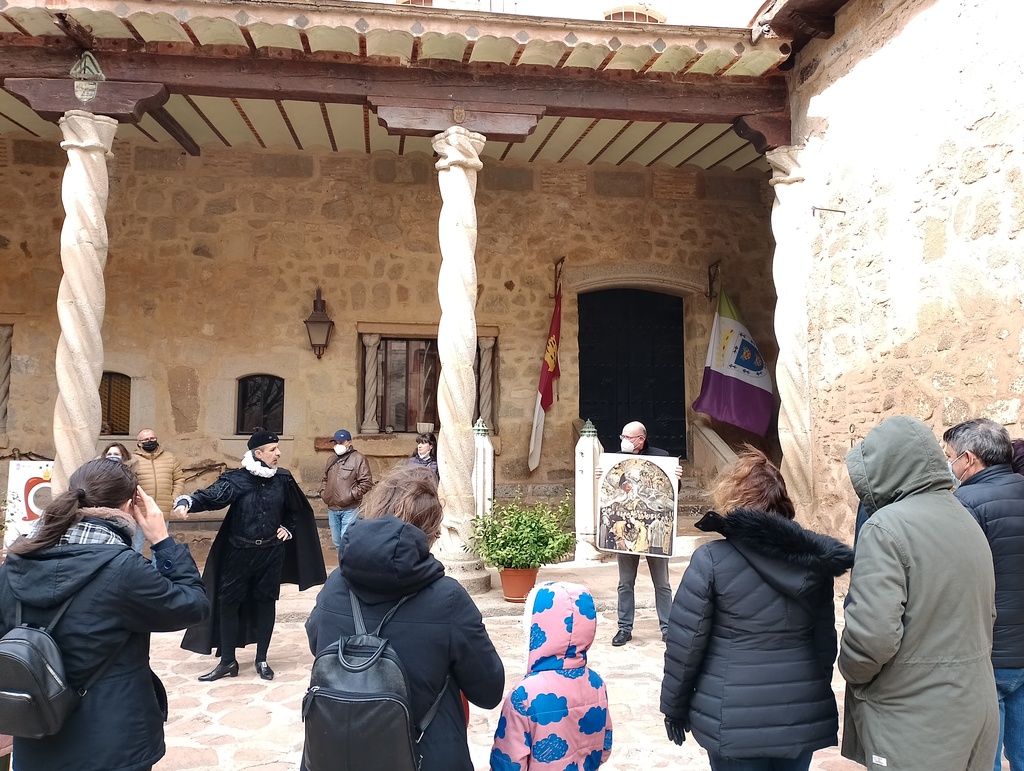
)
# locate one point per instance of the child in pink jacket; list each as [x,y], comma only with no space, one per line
[557,717]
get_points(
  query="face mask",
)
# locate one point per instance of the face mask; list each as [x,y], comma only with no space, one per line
[949,464]
[340,449]
[150,444]
[627,446]
[114,456]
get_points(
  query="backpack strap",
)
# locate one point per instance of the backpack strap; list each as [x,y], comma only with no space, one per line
[422,727]
[49,627]
[357,613]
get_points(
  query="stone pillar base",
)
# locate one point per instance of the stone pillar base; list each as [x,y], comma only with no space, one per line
[470,573]
[587,552]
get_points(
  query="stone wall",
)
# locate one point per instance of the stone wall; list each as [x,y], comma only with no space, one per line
[909,123]
[214,261]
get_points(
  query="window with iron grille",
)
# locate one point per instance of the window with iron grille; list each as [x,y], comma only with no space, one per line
[260,404]
[115,403]
[407,373]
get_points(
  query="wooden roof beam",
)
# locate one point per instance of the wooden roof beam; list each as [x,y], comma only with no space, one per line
[693,99]
[426,118]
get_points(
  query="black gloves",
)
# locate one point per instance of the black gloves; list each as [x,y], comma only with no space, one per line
[676,730]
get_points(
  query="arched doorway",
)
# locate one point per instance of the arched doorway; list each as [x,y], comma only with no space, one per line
[631,365]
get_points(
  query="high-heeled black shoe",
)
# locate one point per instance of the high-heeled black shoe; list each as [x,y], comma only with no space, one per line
[219,671]
[264,670]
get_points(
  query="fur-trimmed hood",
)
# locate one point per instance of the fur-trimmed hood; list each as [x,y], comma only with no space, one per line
[793,560]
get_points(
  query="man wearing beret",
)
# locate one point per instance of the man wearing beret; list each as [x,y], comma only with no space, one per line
[268,536]
[347,479]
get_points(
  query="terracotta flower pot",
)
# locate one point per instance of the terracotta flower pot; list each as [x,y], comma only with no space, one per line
[516,584]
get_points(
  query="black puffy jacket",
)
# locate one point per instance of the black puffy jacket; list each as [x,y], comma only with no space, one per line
[995,498]
[752,638]
[120,594]
[439,631]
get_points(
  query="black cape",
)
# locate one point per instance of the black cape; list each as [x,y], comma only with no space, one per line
[303,565]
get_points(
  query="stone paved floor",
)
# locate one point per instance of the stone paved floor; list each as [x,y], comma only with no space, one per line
[246,723]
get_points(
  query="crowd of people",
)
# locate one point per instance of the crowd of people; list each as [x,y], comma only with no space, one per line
[932,648]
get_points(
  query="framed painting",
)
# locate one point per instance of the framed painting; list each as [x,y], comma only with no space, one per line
[636,504]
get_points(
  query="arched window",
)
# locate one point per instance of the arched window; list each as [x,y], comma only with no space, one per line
[260,404]
[635,13]
[115,403]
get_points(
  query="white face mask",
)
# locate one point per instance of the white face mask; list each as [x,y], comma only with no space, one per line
[341,449]
[627,446]
[114,456]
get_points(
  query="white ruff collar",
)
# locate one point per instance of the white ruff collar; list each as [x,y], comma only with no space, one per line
[253,466]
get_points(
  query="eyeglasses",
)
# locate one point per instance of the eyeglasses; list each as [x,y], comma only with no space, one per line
[630,438]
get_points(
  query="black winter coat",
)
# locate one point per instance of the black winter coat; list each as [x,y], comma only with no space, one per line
[995,498]
[119,723]
[752,638]
[439,631]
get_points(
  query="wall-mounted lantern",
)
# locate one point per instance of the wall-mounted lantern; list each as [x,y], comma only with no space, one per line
[319,325]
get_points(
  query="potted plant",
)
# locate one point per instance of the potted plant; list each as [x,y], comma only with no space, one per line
[517,538]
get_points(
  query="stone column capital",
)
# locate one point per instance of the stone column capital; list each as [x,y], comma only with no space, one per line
[785,163]
[370,340]
[485,343]
[84,131]
[458,146]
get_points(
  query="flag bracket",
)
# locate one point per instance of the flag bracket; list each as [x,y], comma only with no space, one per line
[558,277]
[714,273]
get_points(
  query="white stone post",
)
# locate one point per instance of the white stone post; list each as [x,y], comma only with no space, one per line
[459,151]
[483,468]
[370,385]
[81,298]
[791,267]
[588,451]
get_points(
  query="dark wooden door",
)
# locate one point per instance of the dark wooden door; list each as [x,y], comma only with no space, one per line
[631,365]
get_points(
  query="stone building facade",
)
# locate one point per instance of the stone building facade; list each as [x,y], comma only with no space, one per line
[214,261]
[898,221]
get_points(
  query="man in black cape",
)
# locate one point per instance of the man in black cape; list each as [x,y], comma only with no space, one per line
[268,537]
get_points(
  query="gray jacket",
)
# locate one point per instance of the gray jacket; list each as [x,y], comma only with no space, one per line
[915,651]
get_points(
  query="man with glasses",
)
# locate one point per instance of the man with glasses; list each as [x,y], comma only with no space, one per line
[633,440]
[159,473]
[980,454]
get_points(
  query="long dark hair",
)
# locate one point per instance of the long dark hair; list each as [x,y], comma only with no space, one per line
[429,438]
[98,483]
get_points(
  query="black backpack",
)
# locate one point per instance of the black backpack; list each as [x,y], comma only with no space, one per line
[35,695]
[356,710]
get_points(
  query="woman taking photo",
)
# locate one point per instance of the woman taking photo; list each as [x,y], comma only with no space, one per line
[437,633]
[81,549]
[752,637]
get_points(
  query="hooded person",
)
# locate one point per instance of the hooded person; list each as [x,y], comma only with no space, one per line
[268,537]
[557,715]
[916,647]
[438,633]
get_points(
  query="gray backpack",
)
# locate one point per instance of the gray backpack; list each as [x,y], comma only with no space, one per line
[356,711]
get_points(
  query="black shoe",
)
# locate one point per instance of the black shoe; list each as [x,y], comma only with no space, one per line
[219,671]
[621,638]
[264,670]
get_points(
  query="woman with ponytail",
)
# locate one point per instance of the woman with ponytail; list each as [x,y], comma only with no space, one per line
[81,548]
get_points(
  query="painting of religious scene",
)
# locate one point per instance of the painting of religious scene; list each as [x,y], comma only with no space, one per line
[636,504]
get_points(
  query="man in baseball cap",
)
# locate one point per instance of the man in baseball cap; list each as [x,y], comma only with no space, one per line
[347,479]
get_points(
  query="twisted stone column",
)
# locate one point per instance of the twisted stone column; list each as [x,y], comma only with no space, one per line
[790,269]
[6,333]
[81,298]
[370,424]
[456,345]
[486,384]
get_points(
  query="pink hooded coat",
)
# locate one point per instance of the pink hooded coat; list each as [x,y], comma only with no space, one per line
[557,717]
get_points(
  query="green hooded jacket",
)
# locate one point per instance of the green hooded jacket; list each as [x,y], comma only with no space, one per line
[915,651]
